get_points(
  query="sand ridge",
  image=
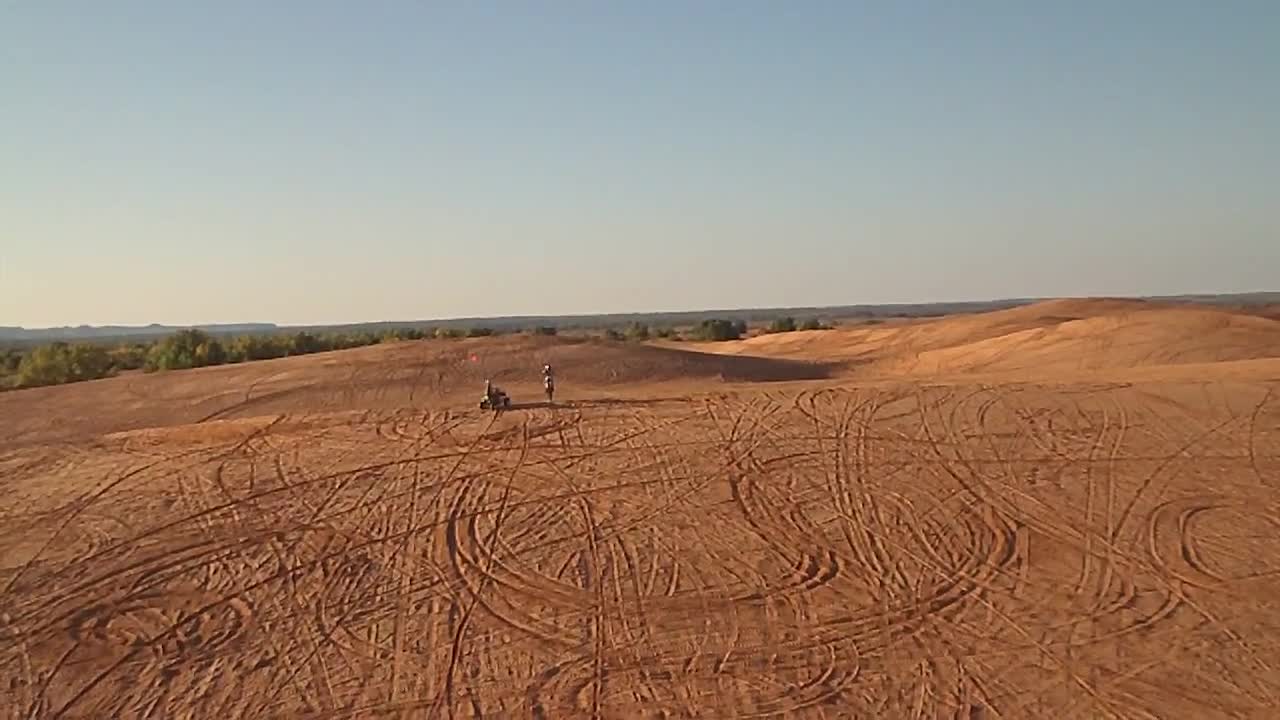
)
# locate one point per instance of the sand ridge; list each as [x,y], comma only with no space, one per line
[1044,337]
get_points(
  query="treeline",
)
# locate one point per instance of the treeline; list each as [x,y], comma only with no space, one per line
[195,348]
[56,363]
[640,332]
[62,362]
[789,324]
[710,330]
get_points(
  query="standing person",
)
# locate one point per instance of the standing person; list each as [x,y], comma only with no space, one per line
[548,382]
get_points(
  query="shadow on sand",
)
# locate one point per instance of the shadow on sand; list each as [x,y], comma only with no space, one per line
[598,402]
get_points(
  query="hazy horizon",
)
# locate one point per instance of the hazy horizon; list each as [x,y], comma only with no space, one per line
[318,164]
[966,302]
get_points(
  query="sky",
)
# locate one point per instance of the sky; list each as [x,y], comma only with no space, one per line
[324,162]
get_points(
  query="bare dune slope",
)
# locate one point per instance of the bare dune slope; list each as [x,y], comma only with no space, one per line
[1127,340]
[430,374]
[880,340]
[1054,336]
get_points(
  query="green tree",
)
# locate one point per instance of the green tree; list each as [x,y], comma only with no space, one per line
[235,348]
[813,324]
[330,341]
[304,343]
[782,325]
[270,347]
[185,349]
[638,331]
[209,352]
[45,365]
[10,358]
[60,362]
[129,356]
[89,362]
[718,330]
[191,349]
[394,334]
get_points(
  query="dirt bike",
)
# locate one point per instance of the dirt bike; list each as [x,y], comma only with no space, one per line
[549,386]
[495,400]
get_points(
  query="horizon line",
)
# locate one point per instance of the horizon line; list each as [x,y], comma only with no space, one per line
[630,313]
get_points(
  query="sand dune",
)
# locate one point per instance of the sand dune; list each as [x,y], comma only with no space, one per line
[432,374]
[1063,510]
[1041,342]
[884,339]
[1118,341]
[1046,338]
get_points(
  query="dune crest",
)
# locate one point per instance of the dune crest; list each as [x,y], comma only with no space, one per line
[1059,335]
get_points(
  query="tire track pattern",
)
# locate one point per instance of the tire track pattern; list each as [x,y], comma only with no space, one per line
[895,551]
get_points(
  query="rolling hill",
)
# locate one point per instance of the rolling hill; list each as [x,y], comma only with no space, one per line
[1044,338]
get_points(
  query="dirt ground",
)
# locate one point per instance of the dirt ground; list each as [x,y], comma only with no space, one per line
[943,519]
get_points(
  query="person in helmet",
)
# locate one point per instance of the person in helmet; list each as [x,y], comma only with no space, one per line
[548,382]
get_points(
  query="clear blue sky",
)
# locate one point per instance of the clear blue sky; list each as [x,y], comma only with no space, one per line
[330,161]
